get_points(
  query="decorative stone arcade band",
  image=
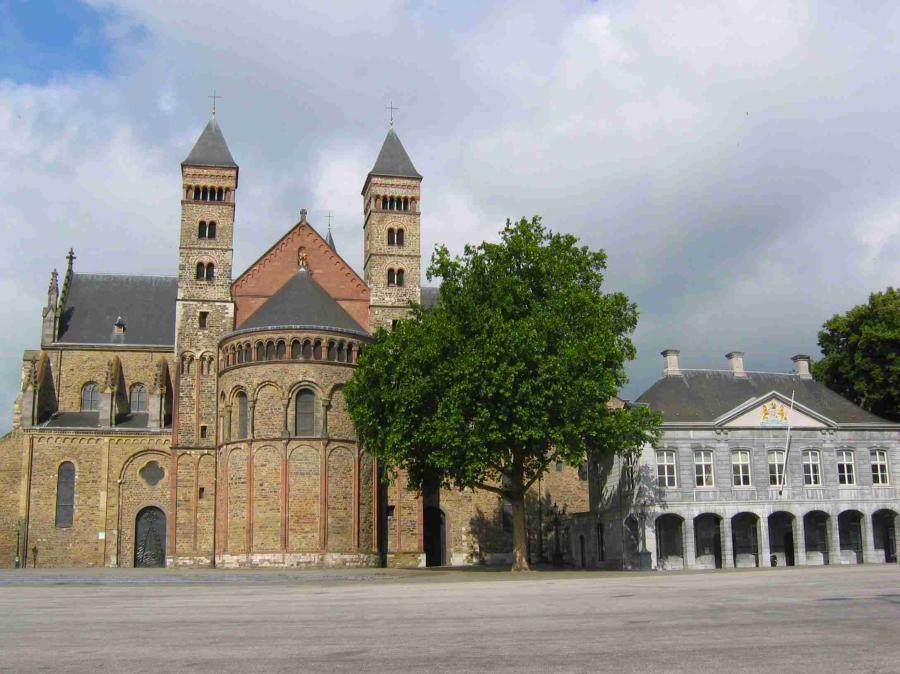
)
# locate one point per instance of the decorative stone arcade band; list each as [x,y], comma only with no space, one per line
[303,348]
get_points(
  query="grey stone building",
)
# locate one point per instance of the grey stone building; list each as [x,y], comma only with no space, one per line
[725,489]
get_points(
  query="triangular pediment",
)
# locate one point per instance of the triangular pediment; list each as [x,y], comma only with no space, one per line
[278,265]
[772,410]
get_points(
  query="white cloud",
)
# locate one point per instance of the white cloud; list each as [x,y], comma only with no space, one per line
[735,159]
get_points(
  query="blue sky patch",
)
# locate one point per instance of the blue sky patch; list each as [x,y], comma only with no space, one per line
[44,39]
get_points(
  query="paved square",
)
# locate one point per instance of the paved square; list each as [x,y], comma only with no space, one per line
[819,620]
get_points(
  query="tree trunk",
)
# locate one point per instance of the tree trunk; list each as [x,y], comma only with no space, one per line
[520,544]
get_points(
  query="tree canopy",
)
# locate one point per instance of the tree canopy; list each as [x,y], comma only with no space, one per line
[510,371]
[861,354]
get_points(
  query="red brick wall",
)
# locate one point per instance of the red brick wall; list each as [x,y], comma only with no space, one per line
[270,272]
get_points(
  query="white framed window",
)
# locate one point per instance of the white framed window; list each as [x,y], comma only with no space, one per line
[665,468]
[846,474]
[740,468]
[812,471]
[776,467]
[703,468]
[879,467]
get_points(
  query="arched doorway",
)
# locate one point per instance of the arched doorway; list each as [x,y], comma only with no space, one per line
[150,538]
[669,542]
[815,527]
[781,539]
[435,534]
[850,530]
[884,526]
[745,539]
[708,537]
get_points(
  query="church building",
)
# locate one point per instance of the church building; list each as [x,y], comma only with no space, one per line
[199,419]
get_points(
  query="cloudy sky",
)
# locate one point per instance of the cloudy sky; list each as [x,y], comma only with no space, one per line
[738,160]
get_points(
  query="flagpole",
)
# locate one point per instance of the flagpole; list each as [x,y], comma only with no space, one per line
[787,446]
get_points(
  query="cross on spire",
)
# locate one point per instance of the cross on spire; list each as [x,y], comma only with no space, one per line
[392,109]
[329,221]
[214,97]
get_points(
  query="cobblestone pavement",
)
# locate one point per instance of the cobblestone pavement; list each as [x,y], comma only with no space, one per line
[828,619]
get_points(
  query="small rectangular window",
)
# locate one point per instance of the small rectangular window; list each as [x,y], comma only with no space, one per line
[776,468]
[390,512]
[879,467]
[845,467]
[204,320]
[703,468]
[665,469]
[204,431]
[812,475]
[740,468]
[201,492]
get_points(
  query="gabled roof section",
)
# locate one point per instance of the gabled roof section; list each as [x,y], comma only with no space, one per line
[94,302]
[392,160]
[274,268]
[705,396]
[301,302]
[210,149]
[773,410]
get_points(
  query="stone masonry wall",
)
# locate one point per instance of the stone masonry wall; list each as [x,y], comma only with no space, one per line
[13,447]
[108,492]
[72,368]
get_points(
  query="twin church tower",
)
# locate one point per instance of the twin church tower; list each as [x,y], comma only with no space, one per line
[205,308]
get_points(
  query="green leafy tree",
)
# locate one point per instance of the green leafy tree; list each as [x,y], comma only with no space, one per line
[861,351]
[508,373]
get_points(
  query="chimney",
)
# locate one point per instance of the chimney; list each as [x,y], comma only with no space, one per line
[801,366]
[736,363]
[670,359]
[119,326]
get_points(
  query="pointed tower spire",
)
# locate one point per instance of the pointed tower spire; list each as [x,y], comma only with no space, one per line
[328,238]
[392,160]
[210,148]
[391,248]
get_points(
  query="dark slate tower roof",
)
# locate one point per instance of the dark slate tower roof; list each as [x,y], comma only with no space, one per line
[330,240]
[705,395]
[146,305]
[301,302]
[211,148]
[392,160]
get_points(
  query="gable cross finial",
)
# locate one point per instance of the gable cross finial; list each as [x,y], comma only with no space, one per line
[302,215]
[70,258]
[214,97]
[392,109]
[329,221]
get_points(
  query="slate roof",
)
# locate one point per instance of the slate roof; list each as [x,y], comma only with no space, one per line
[392,160]
[95,301]
[73,420]
[211,148]
[705,395]
[137,420]
[302,302]
[330,240]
